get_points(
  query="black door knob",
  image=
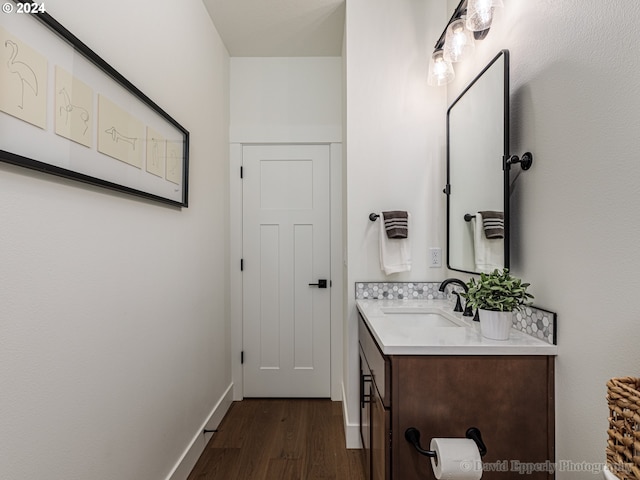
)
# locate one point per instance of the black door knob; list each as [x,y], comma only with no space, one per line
[322,283]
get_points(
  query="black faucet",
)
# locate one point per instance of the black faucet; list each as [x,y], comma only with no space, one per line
[468,311]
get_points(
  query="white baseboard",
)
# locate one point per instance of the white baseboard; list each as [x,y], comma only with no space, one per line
[191,454]
[351,429]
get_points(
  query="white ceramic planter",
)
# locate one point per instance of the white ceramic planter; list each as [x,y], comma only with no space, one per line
[495,325]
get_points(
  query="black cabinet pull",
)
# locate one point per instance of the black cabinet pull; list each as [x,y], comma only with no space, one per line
[364,397]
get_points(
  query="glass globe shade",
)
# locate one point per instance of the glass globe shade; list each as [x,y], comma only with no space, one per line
[480,14]
[440,70]
[458,41]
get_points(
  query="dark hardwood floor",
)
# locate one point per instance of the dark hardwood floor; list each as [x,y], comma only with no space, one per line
[280,439]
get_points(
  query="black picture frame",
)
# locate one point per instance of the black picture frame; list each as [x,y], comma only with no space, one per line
[144,152]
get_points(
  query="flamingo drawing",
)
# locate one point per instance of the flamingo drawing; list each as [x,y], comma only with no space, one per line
[116,136]
[68,108]
[25,72]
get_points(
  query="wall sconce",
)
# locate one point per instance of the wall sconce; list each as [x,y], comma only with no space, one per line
[470,21]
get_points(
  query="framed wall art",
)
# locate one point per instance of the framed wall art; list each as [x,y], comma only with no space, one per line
[65,111]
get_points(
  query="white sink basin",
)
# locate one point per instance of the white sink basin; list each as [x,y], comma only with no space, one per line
[421,317]
[411,309]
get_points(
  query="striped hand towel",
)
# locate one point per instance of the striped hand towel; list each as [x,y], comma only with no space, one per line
[493,224]
[396,224]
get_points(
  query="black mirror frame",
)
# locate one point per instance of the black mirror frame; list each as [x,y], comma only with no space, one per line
[505,167]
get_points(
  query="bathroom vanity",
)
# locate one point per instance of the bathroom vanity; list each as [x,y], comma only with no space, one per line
[443,378]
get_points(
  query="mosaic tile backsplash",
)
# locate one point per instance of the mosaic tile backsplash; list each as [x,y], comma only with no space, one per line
[537,323]
[533,321]
[399,291]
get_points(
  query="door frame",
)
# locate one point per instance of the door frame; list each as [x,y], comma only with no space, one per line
[337,265]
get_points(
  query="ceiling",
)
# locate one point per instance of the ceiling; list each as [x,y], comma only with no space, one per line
[279,28]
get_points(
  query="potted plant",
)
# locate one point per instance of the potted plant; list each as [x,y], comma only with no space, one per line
[497,295]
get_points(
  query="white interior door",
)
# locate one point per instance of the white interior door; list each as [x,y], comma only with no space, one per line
[286,247]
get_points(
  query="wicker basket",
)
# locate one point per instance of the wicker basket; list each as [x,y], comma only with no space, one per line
[623,446]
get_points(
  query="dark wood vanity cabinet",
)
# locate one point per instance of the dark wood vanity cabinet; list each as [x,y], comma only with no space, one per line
[509,398]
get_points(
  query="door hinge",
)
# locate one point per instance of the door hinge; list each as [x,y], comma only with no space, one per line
[447,189]
[241,172]
[242,357]
[242,264]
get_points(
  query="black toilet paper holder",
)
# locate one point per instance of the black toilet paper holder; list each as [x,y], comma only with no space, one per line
[412,435]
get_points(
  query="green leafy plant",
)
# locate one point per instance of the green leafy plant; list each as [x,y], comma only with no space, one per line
[497,291]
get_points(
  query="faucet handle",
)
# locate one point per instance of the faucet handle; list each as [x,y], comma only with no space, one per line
[468,312]
[458,307]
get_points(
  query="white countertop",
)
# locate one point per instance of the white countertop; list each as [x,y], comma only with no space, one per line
[396,334]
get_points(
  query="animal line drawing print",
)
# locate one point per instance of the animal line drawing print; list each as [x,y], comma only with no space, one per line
[156,152]
[120,135]
[116,136]
[25,73]
[174,162]
[74,108]
[68,108]
[23,81]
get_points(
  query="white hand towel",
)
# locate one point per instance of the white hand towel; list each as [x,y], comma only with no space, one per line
[395,253]
[489,252]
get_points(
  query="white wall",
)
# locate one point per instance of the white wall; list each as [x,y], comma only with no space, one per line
[286,99]
[394,148]
[576,105]
[113,310]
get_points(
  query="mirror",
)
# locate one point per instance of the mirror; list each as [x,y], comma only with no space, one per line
[477,180]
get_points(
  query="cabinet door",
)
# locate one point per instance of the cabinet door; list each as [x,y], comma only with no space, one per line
[380,439]
[509,398]
[366,393]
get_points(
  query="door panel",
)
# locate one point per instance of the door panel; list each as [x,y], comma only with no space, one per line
[269,296]
[303,314]
[286,241]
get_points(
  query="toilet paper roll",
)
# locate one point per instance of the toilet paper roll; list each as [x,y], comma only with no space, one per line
[457,459]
